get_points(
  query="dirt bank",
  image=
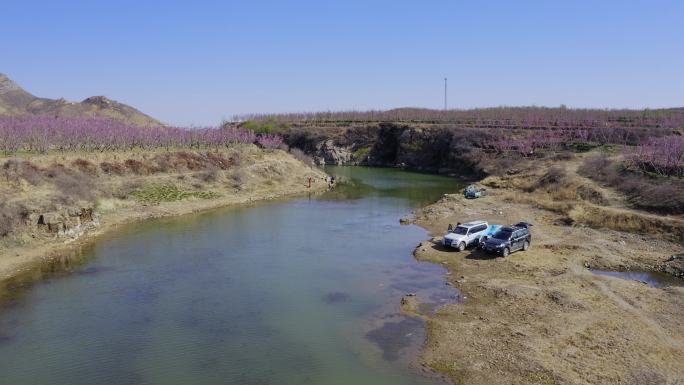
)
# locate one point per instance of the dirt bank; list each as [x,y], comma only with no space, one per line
[57,203]
[541,316]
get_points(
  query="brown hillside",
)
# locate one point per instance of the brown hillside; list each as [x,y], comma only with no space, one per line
[15,101]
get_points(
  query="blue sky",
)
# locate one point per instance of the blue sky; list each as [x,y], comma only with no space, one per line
[197,62]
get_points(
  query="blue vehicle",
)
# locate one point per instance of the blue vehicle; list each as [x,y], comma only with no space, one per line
[472,192]
[491,230]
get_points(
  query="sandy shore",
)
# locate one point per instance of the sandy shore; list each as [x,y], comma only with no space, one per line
[541,316]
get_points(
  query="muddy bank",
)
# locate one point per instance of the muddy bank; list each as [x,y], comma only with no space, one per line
[52,228]
[542,316]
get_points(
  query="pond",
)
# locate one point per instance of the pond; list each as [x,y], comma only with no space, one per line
[651,278]
[303,291]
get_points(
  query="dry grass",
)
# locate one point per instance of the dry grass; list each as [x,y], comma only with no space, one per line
[48,183]
[628,221]
[555,187]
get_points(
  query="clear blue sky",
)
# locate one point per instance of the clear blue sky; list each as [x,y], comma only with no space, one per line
[196,62]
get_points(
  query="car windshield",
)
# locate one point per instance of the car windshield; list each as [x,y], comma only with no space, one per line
[503,235]
[460,230]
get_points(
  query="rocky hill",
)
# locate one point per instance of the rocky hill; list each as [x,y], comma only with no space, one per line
[15,101]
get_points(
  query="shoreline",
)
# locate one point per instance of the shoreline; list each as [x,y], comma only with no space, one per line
[256,176]
[30,258]
[541,316]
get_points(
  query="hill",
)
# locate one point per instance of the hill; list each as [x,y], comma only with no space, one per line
[15,101]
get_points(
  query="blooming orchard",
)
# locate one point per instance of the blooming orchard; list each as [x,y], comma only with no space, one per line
[43,133]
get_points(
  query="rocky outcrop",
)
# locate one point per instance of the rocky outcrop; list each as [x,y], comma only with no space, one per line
[329,153]
[444,150]
[674,265]
[64,223]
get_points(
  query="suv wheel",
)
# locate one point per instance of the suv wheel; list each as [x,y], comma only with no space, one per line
[506,251]
[526,245]
[461,246]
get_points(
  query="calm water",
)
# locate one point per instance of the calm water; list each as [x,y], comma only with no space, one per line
[298,292]
[650,278]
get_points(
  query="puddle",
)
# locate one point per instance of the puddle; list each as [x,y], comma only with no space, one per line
[654,279]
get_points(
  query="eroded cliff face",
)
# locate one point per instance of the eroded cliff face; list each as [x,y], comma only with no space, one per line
[415,147]
[327,152]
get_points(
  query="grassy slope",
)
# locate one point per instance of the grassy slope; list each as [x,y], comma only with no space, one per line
[139,185]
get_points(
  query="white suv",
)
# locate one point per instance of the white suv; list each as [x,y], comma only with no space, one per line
[466,234]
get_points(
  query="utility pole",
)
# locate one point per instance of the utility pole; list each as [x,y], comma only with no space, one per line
[445,94]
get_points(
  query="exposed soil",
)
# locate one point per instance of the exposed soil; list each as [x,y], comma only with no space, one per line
[541,316]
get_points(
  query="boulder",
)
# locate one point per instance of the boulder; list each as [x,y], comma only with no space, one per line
[329,153]
[52,222]
[674,265]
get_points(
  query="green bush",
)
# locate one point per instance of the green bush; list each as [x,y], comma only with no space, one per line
[362,153]
[168,193]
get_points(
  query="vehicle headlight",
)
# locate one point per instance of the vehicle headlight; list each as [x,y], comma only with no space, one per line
[500,245]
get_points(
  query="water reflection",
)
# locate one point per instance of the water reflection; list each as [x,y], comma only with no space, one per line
[298,292]
[651,278]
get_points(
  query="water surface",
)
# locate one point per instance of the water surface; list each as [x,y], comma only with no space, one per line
[651,278]
[296,292]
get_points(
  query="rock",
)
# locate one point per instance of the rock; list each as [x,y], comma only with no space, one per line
[404,220]
[674,265]
[329,153]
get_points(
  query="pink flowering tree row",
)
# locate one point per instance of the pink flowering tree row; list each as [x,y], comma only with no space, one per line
[269,141]
[41,134]
[513,117]
[527,142]
[663,156]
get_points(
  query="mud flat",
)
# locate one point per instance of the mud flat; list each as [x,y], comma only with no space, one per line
[542,316]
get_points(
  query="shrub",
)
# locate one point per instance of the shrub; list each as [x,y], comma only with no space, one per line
[85,166]
[555,175]
[112,168]
[239,178]
[662,195]
[207,176]
[9,216]
[137,167]
[73,185]
[269,141]
[599,167]
[237,158]
[17,168]
[218,160]
[301,156]
[182,161]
